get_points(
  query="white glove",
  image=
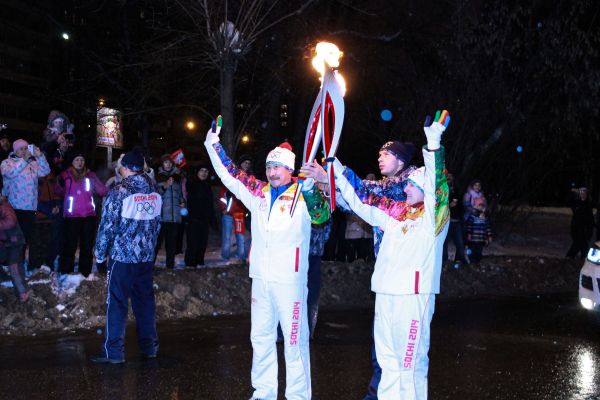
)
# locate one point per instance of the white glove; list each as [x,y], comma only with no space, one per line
[213,137]
[434,135]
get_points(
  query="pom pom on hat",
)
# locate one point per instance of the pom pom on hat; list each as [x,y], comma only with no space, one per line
[282,155]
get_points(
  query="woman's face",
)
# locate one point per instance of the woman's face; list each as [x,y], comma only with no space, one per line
[167,165]
[202,174]
[78,162]
[477,187]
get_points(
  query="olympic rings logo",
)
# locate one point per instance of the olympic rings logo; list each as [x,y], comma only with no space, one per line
[145,207]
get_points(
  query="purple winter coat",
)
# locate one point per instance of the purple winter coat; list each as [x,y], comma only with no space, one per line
[79,200]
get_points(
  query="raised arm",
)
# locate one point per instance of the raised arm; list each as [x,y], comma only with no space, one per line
[223,164]
[437,210]
[372,215]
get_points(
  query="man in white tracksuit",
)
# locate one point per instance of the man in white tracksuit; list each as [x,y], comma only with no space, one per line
[407,271]
[278,264]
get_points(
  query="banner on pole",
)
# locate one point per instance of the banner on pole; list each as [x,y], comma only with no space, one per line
[108,128]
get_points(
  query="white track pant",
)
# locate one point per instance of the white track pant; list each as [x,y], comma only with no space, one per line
[401,343]
[282,303]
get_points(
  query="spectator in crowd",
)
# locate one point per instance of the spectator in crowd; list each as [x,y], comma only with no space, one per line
[479,232]
[5,148]
[201,215]
[455,229]
[582,222]
[48,221]
[169,187]
[5,145]
[78,185]
[184,214]
[11,253]
[127,234]
[358,236]
[61,157]
[59,128]
[21,171]
[473,199]
[246,163]
[232,222]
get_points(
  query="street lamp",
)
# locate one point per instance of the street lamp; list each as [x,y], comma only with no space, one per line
[101,102]
[245,139]
[65,36]
[190,125]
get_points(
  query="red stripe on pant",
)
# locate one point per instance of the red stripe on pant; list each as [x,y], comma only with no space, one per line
[297,258]
[416,282]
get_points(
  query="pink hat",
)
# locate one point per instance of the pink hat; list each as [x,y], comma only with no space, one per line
[19,144]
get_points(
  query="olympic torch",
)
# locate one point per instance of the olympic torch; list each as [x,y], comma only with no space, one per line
[327,115]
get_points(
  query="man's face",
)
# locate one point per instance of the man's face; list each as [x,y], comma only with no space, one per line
[21,152]
[5,144]
[413,194]
[245,165]
[389,165]
[167,165]
[278,175]
[203,174]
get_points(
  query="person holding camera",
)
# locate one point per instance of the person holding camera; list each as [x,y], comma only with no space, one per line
[582,222]
[21,171]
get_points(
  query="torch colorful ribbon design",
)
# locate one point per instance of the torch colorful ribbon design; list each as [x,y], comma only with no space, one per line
[327,116]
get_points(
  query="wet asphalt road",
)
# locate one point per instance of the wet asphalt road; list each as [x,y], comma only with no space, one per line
[517,348]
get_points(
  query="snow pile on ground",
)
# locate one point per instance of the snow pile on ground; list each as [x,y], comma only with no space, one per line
[191,293]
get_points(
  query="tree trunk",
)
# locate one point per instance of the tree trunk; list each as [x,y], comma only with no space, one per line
[227,107]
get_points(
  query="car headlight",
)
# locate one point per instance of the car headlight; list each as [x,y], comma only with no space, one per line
[587,303]
[593,255]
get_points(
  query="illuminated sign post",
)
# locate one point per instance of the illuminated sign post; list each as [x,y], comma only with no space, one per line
[109,132]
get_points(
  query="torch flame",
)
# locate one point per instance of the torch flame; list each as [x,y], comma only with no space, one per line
[328,55]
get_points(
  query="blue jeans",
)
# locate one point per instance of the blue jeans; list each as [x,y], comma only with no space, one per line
[130,281]
[226,232]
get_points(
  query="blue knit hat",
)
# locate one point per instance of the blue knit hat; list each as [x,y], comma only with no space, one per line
[133,160]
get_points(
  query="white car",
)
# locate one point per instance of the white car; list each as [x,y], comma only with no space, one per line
[589,279]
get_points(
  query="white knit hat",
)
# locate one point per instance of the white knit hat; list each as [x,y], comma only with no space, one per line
[282,155]
[417,178]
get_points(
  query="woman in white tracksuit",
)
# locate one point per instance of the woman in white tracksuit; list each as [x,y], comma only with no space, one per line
[407,271]
[278,264]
